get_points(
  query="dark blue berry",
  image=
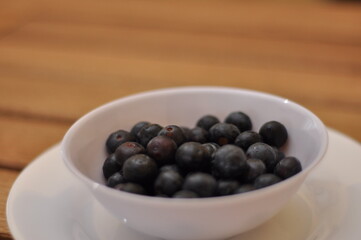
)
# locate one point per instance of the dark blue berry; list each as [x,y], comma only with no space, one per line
[274,133]
[131,188]
[168,183]
[244,188]
[211,148]
[279,155]
[229,162]
[199,134]
[140,168]
[136,128]
[171,167]
[115,179]
[226,187]
[185,194]
[191,156]
[126,150]
[111,166]
[148,132]
[203,184]
[240,120]
[117,138]
[207,121]
[174,132]
[223,133]
[265,153]
[187,133]
[266,180]
[162,149]
[246,139]
[256,167]
[288,167]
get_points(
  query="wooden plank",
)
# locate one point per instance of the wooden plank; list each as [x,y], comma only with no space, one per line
[7,177]
[301,22]
[22,139]
[185,47]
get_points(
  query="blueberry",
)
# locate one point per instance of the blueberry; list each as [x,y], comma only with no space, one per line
[140,168]
[223,133]
[117,138]
[240,120]
[171,167]
[207,121]
[115,179]
[162,149]
[131,188]
[211,148]
[174,132]
[256,167]
[226,187]
[126,150]
[136,128]
[279,154]
[265,153]
[274,133]
[288,167]
[168,183]
[111,166]
[244,188]
[187,133]
[199,134]
[266,180]
[203,184]
[185,194]
[229,162]
[191,156]
[148,132]
[246,139]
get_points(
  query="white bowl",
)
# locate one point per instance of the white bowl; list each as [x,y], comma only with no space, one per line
[84,152]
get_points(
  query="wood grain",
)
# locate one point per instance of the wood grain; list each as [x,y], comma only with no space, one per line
[59,60]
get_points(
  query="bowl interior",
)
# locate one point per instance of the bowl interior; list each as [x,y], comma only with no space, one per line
[83,146]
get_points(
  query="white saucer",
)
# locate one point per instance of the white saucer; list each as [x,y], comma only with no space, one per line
[47,202]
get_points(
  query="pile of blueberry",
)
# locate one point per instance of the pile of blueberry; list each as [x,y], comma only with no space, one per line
[212,159]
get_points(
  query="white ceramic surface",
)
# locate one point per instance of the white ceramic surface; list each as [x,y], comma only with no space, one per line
[194,219]
[47,202]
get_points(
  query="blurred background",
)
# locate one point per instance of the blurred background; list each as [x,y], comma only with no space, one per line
[60,59]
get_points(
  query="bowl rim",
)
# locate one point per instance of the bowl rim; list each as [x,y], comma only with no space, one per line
[191,201]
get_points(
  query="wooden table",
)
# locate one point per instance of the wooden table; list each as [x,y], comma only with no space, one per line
[60,59]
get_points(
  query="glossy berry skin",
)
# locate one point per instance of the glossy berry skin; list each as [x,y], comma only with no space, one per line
[266,180]
[288,167]
[223,133]
[131,188]
[136,128]
[240,120]
[229,162]
[207,121]
[265,153]
[256,167]
[168,183]
[191,156]
[203,184]
[226,187]
[274,133]
[199,134]
[185,194]
[111,166]
[117,138]
[126,150]
[162,149]
[140,168]
[115,179]
[246,139]
[170,167]
[279,154]
[148,132]
[174,132]
[211,148]
[245,188]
